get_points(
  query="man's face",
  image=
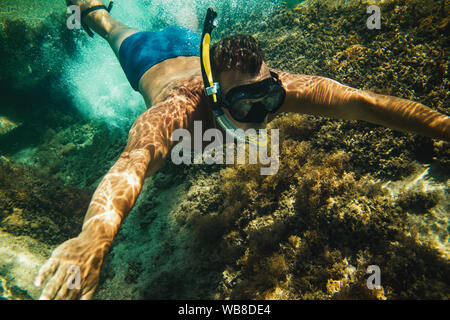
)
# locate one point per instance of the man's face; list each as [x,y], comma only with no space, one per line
[231,79]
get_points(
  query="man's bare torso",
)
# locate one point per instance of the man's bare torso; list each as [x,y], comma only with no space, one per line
[161,76]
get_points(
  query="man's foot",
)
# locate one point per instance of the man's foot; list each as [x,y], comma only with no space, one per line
[85,4]
[92,18]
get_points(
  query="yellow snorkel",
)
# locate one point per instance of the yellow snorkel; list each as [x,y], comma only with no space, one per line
[207,64]
[212,88]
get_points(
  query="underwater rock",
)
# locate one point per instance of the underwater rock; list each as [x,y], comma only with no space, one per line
[7,125]
[20,260]
[32,54]
[36,214]
[166,249]
[63,153]
[31,204]
[292,3]
[314,228]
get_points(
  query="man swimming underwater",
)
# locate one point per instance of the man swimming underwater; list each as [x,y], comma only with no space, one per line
[166,69]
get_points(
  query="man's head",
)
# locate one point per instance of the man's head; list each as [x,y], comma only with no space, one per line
[236,53]
[238,61]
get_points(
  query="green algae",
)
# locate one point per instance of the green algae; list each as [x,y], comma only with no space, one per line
[32,204]
[32,11]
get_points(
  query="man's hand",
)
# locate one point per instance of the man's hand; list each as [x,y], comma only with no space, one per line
[73,269]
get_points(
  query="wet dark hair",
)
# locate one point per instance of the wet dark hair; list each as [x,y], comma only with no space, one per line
[238,52]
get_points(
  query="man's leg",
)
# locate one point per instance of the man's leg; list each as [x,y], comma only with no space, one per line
[101,22]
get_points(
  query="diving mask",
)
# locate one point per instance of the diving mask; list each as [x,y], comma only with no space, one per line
[252,103]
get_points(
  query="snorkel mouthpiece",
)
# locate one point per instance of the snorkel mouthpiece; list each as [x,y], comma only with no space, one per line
[212,89]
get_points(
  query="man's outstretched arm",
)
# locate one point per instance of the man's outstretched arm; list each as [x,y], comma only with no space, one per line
[148,145]
[325,97]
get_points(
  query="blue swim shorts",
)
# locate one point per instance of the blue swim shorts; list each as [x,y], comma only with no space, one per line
[141,51]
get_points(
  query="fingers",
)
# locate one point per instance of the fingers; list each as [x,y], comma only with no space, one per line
[47,268]
[65,283]
[71,292]
[71,287]
[66,293]
[54,285]
[89,294]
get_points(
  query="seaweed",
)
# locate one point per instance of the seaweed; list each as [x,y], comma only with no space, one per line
[34,205]
[324,228]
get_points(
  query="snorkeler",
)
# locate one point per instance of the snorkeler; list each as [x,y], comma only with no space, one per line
[241,92]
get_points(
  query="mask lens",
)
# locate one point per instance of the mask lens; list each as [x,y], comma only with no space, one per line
[272,101]
[240,109]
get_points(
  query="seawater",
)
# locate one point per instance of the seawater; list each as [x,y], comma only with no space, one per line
[153,254]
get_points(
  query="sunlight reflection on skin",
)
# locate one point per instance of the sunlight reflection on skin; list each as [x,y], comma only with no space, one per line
[110,217]
[149,142]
